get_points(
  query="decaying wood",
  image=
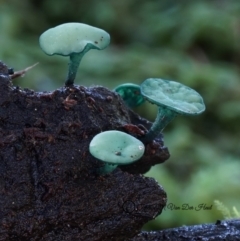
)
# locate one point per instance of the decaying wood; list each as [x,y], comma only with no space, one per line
[50,188]
[227,230]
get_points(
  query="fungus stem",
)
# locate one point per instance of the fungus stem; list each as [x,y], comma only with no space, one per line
[164,116]
[75,60]
[107,168]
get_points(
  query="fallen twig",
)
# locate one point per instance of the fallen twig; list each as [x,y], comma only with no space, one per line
[21,73]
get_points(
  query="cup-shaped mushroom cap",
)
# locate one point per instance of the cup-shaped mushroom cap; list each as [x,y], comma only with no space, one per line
[131,94]
[69,38]
[116,147]
[173,95]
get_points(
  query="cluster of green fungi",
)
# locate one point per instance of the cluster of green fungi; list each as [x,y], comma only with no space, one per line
[113,147]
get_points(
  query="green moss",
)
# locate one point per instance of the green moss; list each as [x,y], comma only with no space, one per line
[225,211]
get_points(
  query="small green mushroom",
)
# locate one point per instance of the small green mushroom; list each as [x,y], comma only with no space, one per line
[131,94]
[172,98]
[73,40]
[115,148]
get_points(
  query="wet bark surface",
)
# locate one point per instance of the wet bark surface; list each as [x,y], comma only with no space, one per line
[227,230]
[50,188]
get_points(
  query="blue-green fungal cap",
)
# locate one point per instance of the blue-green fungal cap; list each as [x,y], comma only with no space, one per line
[131,94]
[173,95]
[69,38]
[74,40]
[172,98]
[116,147]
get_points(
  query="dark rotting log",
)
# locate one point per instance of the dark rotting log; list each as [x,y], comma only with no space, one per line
[226,230]
[50,188]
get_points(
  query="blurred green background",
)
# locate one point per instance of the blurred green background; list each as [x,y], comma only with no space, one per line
[194,42]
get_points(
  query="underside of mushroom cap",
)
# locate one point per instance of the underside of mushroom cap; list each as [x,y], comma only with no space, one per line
[173,95]
[69,38]
[131,94]
[116,147]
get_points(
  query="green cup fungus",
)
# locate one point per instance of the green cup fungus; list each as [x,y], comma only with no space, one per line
[73,40]
[115,148]
[172,98]
[131,94]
